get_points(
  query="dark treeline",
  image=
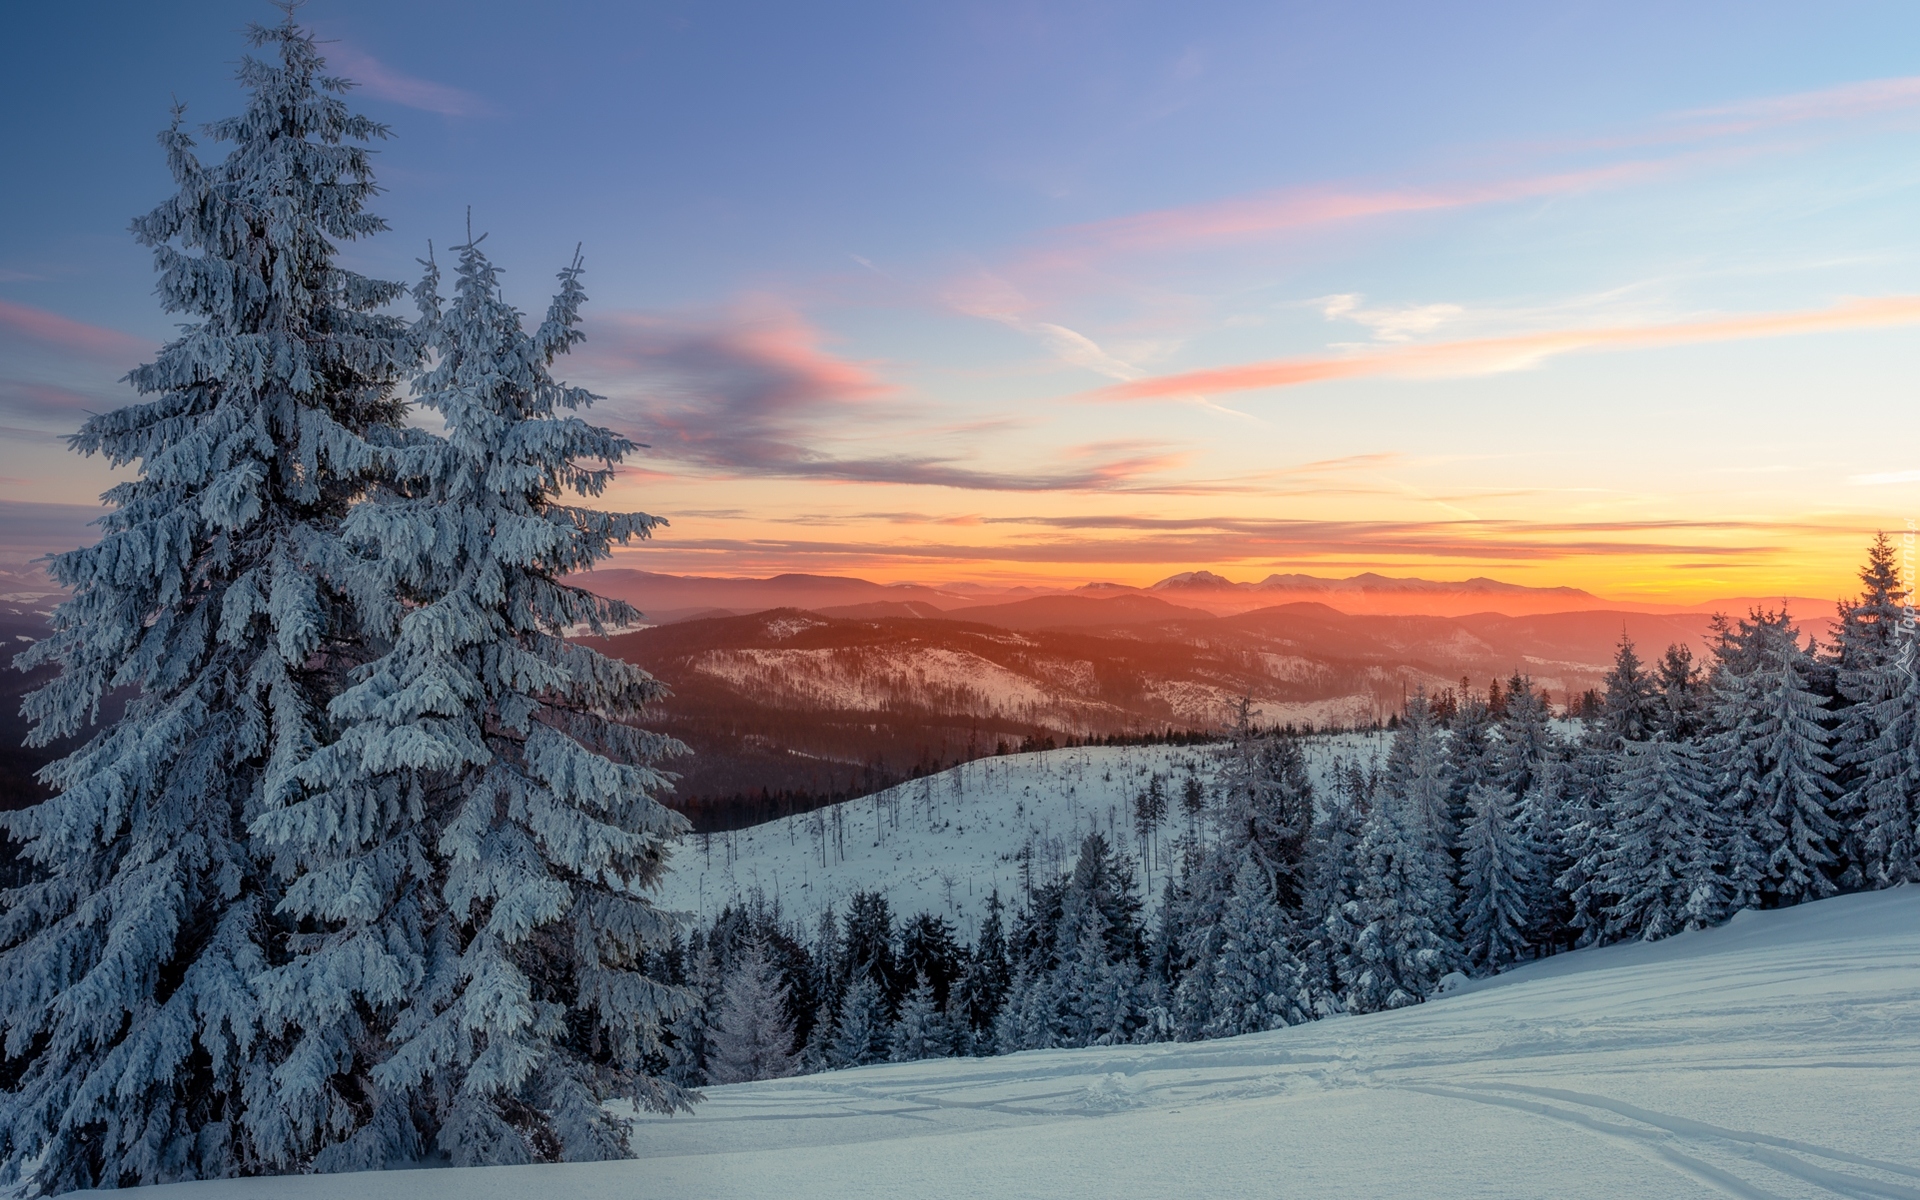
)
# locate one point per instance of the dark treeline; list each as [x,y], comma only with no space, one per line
[743,810]
[1777,771]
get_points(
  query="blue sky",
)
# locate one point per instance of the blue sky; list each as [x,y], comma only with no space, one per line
[1615,295]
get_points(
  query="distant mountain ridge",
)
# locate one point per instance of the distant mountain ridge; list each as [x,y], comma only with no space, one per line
[1366,581]
[666,599]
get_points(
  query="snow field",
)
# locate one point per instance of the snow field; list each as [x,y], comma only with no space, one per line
[943,843]
[1775,1057]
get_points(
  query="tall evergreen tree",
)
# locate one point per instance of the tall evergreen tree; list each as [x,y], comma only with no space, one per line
[1472,754]
[1402,911]
[220,594]
[921,1029]
[1258,983]
[1416,776]
[1889,768]
[989,975]
[1265,806]
[1661,866]
[1336,883]
[861,1031]
[1497,868]
[1631,709]
[752,1036]
[1874,738]
[489,803]
[1681,711]
[1771,753]
[1525,737]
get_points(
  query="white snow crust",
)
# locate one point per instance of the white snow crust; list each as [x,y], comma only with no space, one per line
[1777,1056]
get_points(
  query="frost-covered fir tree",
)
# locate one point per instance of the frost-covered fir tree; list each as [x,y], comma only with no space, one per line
[1402,913]
[1335,885]
[860,1028]
[1661,864]
[1416,777]
[220,595]
[1571,833]
[1265,805]
[752,1035]
[1472,753]
[1874,744]
[1631,710]
[1774,766]
[984,987]
[1523,739]
[1497,869]
[1889,767]
[1258,983]
[485,820]
[921,1029]
[1681,695]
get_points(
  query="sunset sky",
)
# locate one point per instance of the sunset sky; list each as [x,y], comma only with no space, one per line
[1624,296]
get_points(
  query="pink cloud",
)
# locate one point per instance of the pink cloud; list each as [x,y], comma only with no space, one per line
[65,333]
[384,82]
[1485,356]
[1299,208]
[1845,102]
[756,393]
[1296,208]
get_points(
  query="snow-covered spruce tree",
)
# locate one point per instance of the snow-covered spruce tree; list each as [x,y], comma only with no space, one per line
[1876,673]
[1890,770]
[1681,694]
[220,596]
[1578,818]
[921,1030]
[1632,708]
[1265,806]
[1661,863]
[1336,872]
[1524,737]
[1496,868]
[474,850]
[1774,765]
[752,1035]
[1416,777]
[983,989]
[1401,911]
[1258,983]
[860,1028]
[1470,749]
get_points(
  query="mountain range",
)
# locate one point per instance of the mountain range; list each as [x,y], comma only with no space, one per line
[669,598]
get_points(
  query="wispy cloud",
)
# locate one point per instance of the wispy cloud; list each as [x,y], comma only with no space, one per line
[1868,97]
[756,392]
[1205,541]
[1486,356]
[1296,208]
[387,83]
[1389,324]
[1885,477]
[992,298]
[1083,258]
[53,331]
[55,370]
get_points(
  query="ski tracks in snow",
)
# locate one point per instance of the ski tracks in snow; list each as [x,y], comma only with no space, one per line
[1680,1142]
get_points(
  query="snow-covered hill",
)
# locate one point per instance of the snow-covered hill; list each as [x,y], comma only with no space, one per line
[942,843]
[1778,1056]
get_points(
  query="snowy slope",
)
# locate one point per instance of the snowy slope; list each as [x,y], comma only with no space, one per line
[1778,1056]
[942,843]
